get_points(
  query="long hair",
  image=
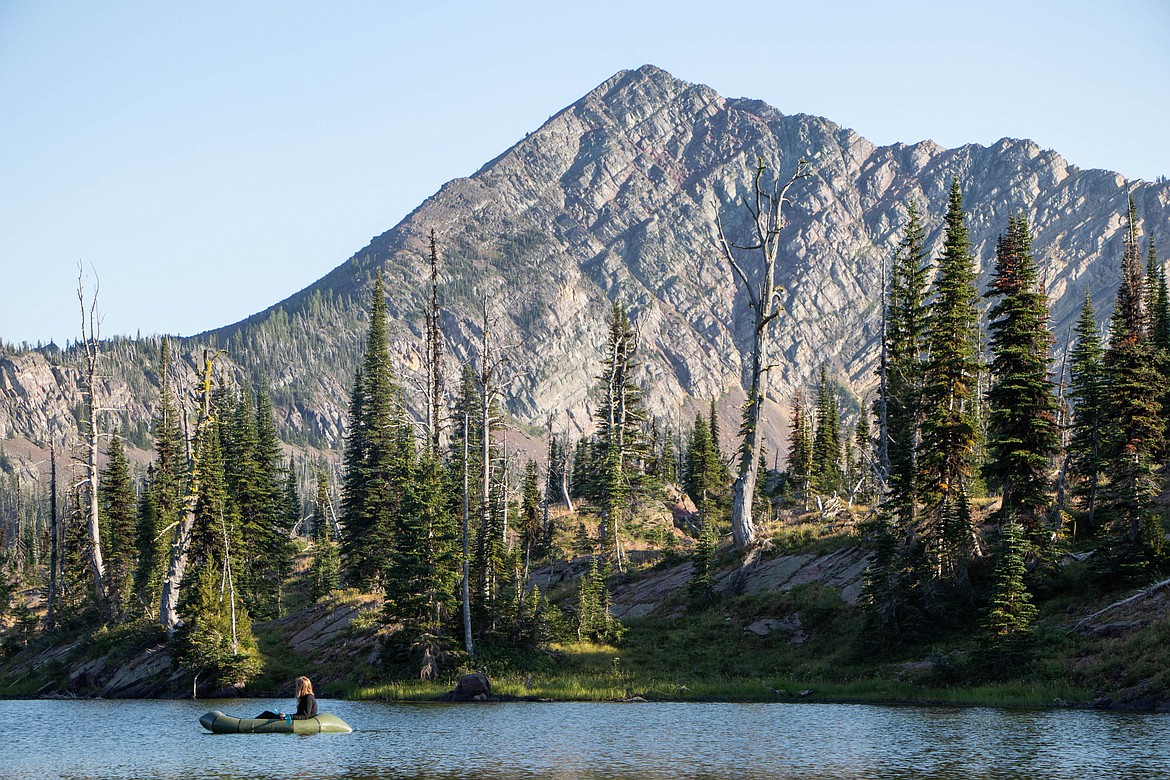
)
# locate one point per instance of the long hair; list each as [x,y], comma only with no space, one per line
[303,686]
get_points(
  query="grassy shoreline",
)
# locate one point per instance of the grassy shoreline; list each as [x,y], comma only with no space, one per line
[884,692]
[586,672]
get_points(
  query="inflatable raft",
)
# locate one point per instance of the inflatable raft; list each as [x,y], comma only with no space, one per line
[219,723]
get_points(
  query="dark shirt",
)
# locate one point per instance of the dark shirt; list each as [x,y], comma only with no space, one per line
[306,707]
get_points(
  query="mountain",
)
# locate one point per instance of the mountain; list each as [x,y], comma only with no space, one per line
[614,198]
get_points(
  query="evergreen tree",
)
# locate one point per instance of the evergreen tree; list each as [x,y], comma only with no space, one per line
[902,404]
[216,635]
[702,468]
[861,467]
[1022,426]
[1134,391]
[722,474]
[147,573]
[826,448]
[468,405]
[291,505]
[1087,396]
[557,462]
[1011,612]
[668,460]
[118,507]
[800,449]
[378,460]
[355,479]
[1157,304]
[950,427]
[889,596]
[323,574]
[423,568]
[701,588]
[594,621]
[585,479]
[621,439]
[582,541]
[529,528]
[1158,313]
[162,499]
[78,603]
[254,471]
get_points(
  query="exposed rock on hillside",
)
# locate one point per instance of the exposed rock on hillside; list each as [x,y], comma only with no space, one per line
[841,569]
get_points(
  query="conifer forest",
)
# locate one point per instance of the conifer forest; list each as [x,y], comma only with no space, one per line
[984,489]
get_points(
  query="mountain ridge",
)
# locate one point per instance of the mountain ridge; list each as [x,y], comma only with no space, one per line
[613,198]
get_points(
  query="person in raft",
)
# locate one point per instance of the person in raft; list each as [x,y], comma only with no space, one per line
[306,703]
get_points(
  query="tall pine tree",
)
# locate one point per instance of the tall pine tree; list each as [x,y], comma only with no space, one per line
[118,510]
[1087,397]
[378,458]
[162,500]
[1134,437]
[949,427]
[826,449]
[1023,434]
[702,469]
[323,574]
[800,450]
[621,438]
[216,635]
[1011,612]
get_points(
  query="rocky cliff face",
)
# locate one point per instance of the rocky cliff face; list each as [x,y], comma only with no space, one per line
[614,198]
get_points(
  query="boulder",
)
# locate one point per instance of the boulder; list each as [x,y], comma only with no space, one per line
[790,625]
[472,687]
[763,627]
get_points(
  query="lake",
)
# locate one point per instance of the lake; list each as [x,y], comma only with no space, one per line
[83,739]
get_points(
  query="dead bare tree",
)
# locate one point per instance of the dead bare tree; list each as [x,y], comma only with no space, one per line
[766,208]
[54,541]
[883,459]
[90,334]
[466,584]
[434,356]
[548,472]
[565,470]
[169,604]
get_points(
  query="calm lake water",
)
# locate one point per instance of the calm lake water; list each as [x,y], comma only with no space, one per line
[162,739]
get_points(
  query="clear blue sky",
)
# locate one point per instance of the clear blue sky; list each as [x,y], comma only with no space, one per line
[211,158]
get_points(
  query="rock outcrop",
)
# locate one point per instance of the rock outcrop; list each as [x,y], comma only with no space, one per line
[842,569]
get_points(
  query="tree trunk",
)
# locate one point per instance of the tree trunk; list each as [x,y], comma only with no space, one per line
[485,487]
[883,467]
[168,610]
[90,333]
[227,583]
[763,299]
[466,541]
[504,502]
[54,541]
[548,478]
[434,356]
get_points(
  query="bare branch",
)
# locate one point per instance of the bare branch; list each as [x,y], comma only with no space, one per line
[727,255]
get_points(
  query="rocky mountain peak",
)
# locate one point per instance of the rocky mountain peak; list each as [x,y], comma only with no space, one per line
[614,198]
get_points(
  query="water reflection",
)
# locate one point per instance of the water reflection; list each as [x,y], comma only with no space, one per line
[159,739]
